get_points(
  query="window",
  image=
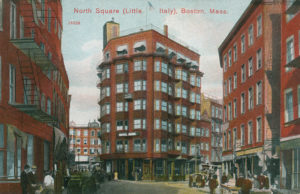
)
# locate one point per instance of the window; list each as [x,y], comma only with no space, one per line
[198,98]
[85,141]
[235,52]
[229,58]
[140,104]
[234,109]
[140,65]
[164,87]
[139,124]
[229,85]
[243,73]
[184,76]
[184,93]
[78,132]
[121,68]
[192,113]
[122,106]
[259,25]
[85,133]
[12,84]
[289,112]
[198,115]
[21,24]
[1,28]
[198,81]
[49,19]
[170,90]
[225,62]
[259,93]
[157,145]
[225,88]
[258,59]
[184,111]
[229,139]
[163,145]
[242,103]
[234,80]
[250,67]
[290,52]
[225,141]
[178,74]
[258,129]
[243,43]
[122,125]
[250,132]
[225,113]
[250,35]
[164,106]
[192,80]
[250,99]
[242,135]
[48,106]
[85,151]
[229,111]
[13,22]
[122,50]
[198,132]
[164,68]
[140,85]
[122,88]
[43,11]
[107,147]
[234,138]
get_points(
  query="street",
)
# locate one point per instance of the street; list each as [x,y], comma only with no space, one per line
[130,187]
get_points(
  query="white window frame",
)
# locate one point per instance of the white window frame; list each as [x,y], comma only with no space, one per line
[13,20]
[12,84]
[258,138]
[259,26]
[258,58]
[286,112]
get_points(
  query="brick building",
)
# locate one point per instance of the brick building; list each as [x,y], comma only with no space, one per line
[290,96]
[150,87]
[34,100]
[250,58]
[213,108]
[84,142]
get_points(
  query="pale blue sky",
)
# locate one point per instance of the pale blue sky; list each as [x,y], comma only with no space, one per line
[82,44]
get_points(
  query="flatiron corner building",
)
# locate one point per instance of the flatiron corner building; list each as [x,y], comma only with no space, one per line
[150,93]
[34,100]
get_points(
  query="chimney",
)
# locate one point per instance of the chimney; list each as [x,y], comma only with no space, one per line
[166,30]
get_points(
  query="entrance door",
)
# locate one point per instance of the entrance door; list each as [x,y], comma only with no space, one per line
[130,170]
[146,170]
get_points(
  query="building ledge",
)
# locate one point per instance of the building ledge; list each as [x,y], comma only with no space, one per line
[35,112]
[294,8]
[293,122]
[30,48]
[294,63]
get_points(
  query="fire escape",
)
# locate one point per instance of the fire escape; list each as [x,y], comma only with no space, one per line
[32,61]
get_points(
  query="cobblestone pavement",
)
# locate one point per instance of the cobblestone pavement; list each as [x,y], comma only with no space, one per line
[133,187]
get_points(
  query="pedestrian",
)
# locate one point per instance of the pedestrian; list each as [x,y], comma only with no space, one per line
[32,180]
[24,179]
[48,184]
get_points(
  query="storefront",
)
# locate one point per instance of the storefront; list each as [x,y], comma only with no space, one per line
[290,164]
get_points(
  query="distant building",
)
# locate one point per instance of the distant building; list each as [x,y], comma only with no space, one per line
[85,144]
[250,59]
[290,97]
[213,108]
[150,87]
[34,100]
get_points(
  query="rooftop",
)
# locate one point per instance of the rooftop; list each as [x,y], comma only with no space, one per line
[160,31]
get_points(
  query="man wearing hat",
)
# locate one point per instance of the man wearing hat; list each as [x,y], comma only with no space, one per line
[24,179]
[32,180]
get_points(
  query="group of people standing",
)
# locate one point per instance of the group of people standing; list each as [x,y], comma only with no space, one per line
[29,181]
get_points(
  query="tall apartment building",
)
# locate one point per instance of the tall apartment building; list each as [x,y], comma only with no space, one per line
[150,88]
[250,57]
[85,143]
[213,108]
[290,96]
[34,100]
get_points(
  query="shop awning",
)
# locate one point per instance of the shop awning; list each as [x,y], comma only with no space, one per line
[139,46]
[122,50]
[160,47]
[61,145]
[249,151]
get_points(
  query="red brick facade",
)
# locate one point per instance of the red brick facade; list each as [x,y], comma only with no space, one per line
[145,108]
[250,57]
[290,96]
[28,118]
